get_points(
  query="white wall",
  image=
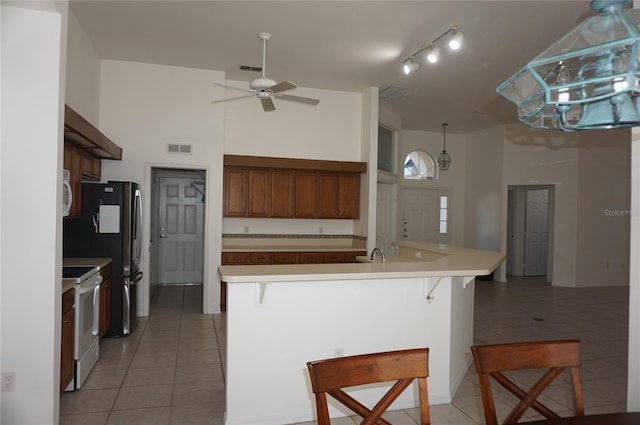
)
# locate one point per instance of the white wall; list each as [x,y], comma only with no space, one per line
[483,192]
[82,92]
[453,179]
[633,373]
[602,245]
[32,72]
[142,108]
[535,157]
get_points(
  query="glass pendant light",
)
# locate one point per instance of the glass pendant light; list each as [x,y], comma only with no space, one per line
[589,79]
[444,160]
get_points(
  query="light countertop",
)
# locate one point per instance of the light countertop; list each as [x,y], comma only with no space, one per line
[70,283]
[290,248]
[436,260]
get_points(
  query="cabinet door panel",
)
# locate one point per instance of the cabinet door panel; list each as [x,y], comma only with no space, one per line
[282,194]
[284,258]
[229,258]
[235,193]
[310,257]
[349,196]
[306,194]
[259,193]
[260,258]
[332,257]
[328,195]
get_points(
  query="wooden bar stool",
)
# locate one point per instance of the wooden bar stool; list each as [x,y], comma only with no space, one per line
[403,366]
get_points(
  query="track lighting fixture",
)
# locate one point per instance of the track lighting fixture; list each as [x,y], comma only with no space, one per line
[409,65]
[434,54]
[456,41]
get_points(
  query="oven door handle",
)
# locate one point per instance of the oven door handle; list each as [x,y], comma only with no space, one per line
[96,310]
[88,286]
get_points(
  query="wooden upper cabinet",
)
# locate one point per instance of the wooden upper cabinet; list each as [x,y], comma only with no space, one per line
[291,188]
[306,194]
[91,166]
[328,193]
[282,194]
[259,193]
[349,195]
[235,192]
[339,195]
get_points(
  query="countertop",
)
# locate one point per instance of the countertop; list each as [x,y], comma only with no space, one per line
[100,262]
[451,261]
[290,248]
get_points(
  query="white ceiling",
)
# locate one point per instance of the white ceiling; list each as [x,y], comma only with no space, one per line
[345,45]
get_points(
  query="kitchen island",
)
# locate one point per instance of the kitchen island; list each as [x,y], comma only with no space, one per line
[281,316]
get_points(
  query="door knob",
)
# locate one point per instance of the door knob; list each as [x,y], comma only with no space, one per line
[163,236]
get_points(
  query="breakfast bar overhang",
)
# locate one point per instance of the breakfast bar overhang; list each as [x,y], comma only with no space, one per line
[281,316]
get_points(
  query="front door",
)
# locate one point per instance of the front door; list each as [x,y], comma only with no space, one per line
[420,215]
[385,207]
[180,232]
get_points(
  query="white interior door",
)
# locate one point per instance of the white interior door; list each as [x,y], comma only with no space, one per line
[385,217]
[536,232]
[180,230]
[420,215]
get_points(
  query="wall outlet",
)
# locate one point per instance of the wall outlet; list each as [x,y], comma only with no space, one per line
[338,352]
[320,230]
[246,229]
[8,381]
[418,254]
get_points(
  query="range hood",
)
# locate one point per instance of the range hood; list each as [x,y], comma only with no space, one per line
[83,134]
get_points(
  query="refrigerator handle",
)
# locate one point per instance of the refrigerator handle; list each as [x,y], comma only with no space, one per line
[126,308]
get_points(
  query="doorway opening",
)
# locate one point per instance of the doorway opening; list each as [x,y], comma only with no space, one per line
[530,231]
[177,224]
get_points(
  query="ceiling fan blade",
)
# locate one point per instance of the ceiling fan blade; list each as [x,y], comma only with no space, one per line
[232,98]
[300,99]
[267,104]
[227,86]
[282,86]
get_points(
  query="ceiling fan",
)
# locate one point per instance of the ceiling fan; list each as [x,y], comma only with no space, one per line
[265,88]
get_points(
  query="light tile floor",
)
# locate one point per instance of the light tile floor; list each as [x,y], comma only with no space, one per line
[170,370]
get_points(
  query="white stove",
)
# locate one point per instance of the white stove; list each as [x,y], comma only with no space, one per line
[87,317]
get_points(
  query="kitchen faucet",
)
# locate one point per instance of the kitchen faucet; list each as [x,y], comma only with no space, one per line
[379,251]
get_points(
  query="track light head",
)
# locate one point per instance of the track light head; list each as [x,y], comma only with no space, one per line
[410,67]
[434,54]
[456,41]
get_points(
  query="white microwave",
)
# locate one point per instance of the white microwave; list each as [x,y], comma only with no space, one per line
[67,194]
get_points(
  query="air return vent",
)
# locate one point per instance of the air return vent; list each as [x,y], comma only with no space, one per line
[175,148]
[250,68]
[395,92]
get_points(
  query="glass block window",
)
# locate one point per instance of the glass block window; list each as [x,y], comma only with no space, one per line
[419,165]
[385,149]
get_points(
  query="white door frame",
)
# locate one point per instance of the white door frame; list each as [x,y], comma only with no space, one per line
[210,297]
[156,174]
[516,222]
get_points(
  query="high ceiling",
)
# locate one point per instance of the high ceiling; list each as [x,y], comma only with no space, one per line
[345,45]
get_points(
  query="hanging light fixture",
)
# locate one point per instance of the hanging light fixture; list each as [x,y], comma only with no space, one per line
[409,65]
[444,160]
[589,79]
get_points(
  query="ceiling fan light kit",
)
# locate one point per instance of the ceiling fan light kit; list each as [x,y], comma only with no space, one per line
[265,89]
[409,65]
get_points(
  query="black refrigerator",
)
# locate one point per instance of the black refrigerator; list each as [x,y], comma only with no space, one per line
[110,225]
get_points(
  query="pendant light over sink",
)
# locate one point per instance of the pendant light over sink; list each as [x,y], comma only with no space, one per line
[589,79]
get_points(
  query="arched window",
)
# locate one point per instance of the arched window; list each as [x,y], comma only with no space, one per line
[419,165]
